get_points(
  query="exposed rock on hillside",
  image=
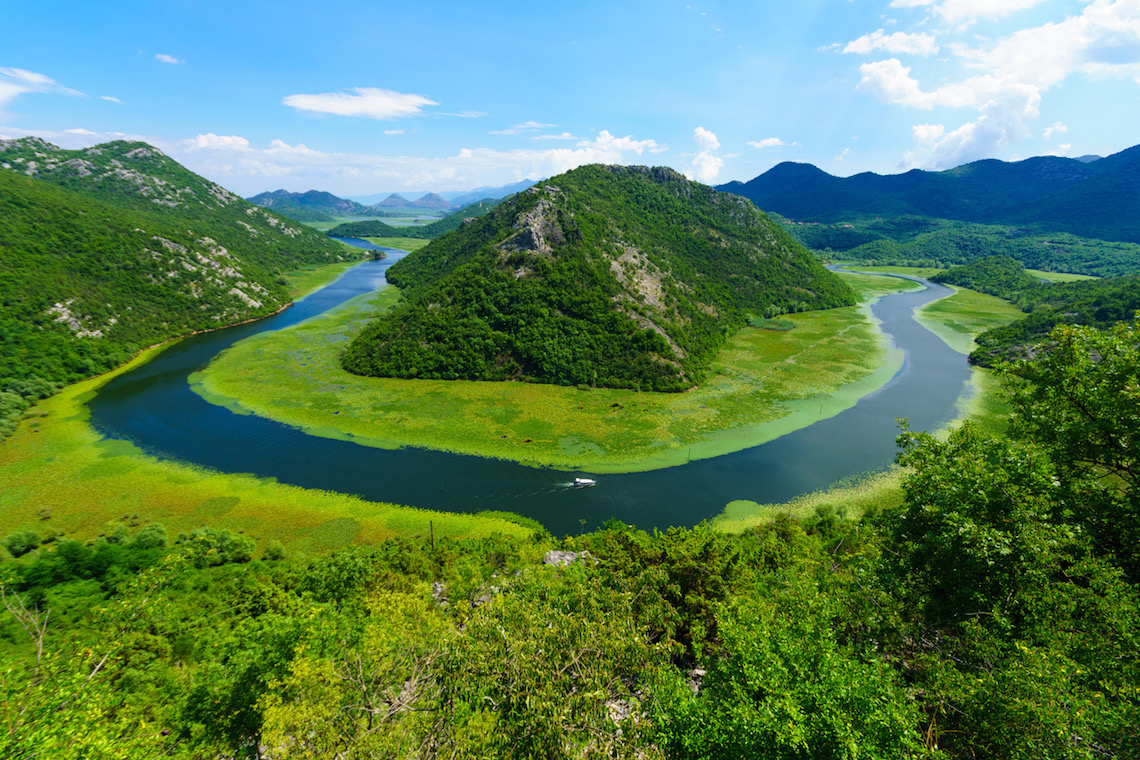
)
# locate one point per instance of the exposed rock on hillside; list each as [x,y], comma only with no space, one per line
[613,276]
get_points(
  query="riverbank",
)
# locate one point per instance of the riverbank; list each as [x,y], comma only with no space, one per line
[763,385]
[60,477]
[957,320]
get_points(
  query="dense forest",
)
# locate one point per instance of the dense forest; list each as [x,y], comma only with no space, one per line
[1097,303]
[108,250]
[623,277]
[993,614]
[929,242]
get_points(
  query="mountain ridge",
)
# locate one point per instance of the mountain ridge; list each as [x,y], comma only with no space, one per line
[611,276]
[1050,192]
[112,248]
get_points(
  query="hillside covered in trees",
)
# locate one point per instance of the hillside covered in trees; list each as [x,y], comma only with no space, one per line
[1095,303]
[994,613]
[1091,198]
[623,277]
[114,248]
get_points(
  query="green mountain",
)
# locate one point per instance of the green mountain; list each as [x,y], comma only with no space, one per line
[376,228]
[1088,198]
[999,276]
[1096,303]
[613,276]
[313,206]
[107,250]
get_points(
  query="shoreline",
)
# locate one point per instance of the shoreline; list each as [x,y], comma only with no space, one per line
[567,449]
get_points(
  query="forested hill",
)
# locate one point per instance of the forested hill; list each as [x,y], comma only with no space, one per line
[377,228]
[313,206]
[613,276]
[1094,303]
[1089,198]
[107,250]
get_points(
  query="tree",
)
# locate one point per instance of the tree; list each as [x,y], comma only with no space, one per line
[1080,402]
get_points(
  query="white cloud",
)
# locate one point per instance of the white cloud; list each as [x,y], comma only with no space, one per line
[927,134]
[210,141]
[1002,121]
[968,11]
[524,128]
[891,82]
[706,165]
[770,142]
[110,99]
[705,139]
[899,42]
[1010,75]
[371,102]
[232,161]
[164,58]
[392,132]
[16,82]
[562,136]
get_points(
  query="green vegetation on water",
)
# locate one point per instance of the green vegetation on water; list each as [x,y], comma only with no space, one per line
[58,475]
[763,384]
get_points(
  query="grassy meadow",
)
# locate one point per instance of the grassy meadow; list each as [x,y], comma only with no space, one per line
[764,384]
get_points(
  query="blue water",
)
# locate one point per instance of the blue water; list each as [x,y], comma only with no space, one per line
[154,407]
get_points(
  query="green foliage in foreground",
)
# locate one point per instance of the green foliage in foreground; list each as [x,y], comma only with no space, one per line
[994,615]
[620,277]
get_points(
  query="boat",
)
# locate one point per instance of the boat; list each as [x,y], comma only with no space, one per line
[584,482]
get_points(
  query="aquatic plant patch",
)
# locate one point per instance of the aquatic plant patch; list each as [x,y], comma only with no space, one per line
[762,385]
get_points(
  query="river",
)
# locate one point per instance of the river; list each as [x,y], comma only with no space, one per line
[154,407]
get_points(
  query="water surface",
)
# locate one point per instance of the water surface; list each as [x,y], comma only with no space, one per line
[154,407]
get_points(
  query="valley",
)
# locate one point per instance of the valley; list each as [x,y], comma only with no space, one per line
[754,506]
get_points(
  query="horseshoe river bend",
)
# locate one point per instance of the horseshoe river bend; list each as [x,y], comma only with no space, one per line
[154,407]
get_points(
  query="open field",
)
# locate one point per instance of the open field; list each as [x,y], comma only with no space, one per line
[403,243]
[764,384]
[966,314]
[1059,276]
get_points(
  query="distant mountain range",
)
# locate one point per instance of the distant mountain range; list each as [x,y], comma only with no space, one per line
[318,206]
[313,206]
[1088,196]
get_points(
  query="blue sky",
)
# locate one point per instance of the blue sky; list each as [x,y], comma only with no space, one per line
[361,98]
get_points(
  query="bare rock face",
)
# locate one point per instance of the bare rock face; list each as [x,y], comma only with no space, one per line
[556,558]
